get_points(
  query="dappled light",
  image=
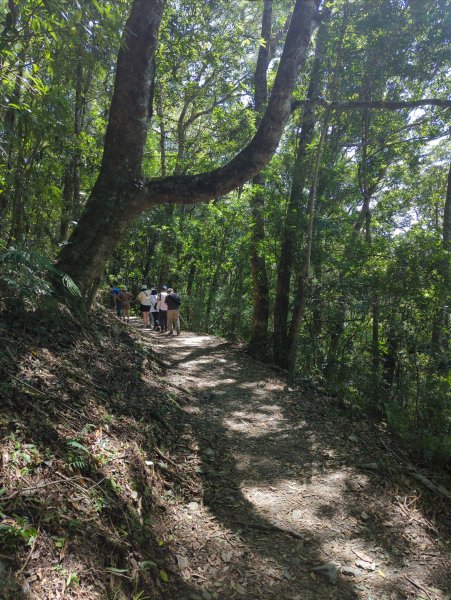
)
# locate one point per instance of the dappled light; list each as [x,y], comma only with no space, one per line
[288,474]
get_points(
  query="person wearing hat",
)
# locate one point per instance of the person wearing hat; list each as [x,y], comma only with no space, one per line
[163,309]
[145,303]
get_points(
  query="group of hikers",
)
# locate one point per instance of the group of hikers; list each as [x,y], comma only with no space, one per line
[159,311]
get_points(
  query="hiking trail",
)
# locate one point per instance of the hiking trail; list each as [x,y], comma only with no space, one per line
[299,501]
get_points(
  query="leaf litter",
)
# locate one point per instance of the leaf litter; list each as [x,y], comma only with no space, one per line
[200,475]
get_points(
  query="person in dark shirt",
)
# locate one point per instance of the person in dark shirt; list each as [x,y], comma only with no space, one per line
[173,301]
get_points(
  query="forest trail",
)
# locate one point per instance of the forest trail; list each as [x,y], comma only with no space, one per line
[291,484]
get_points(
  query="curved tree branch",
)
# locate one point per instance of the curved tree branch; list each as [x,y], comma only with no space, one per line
[192,189]
[375,104]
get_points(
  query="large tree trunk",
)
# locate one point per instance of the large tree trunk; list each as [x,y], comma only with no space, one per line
[120,193]
[107,212]
[297,203]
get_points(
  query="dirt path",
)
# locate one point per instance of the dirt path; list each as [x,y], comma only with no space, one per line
[291,484]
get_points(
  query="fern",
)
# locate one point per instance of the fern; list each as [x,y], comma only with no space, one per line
[31,274]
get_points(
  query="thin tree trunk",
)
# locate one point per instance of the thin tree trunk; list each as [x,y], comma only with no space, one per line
[189,291]
[390,361]
[317,304]
[375,349]
[367,192]
[441,323]
[300,295]
[363,221]
[68,198]
[447,261]
[162,138]
[18,208]
[80,104]
[213,288]
[296,202]
[71,190]
[167,245]
[150,253]
[258,343]
[304,272]
[10,139]
[260,312]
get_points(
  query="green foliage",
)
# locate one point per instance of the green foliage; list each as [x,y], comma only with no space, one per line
[15,531]
[77,456]
[29,275]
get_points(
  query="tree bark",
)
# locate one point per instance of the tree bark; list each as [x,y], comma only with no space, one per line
[107,212]
[120,193]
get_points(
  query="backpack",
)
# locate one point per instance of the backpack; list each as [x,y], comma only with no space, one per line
[176,299]
[152,303]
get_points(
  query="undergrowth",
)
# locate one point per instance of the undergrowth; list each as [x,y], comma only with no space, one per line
[82,489]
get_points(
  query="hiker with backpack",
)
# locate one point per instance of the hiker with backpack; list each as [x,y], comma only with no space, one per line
[145,302]
[173,301]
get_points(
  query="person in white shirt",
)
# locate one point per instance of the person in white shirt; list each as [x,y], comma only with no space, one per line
[154,309]
[163,312]
[145,304]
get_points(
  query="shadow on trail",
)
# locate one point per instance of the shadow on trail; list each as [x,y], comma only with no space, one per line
[261,454]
